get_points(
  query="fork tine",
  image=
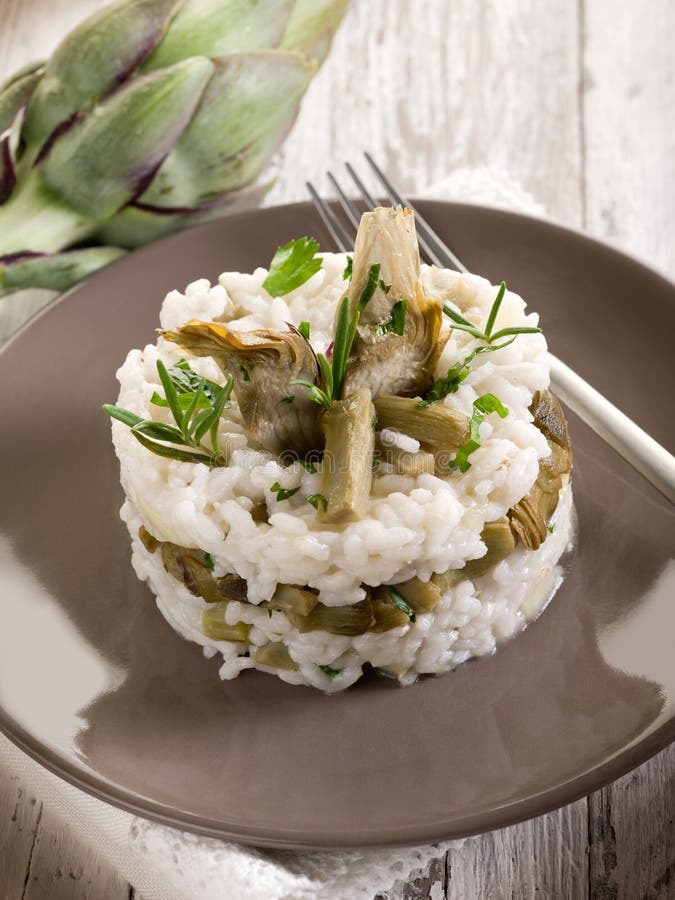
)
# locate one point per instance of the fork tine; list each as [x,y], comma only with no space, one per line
[439,253]
[330,220]
[367,197]
[351,211]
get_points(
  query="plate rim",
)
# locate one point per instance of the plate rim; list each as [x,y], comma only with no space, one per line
[507,813]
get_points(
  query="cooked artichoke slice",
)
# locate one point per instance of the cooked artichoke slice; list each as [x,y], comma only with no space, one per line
[439,428]
[405,462]
[215,627]
[529,516]
[276,656]
[382,359]
[528,522]
[500,543]
[289,598]
[345,620]
[348,457]
[421,596]
[387,614]
[262,364]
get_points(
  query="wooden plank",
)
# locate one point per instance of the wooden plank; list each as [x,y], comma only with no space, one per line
[64,868]
[629,139]
[543,858]
[438,85]
[20,814]
[632,834]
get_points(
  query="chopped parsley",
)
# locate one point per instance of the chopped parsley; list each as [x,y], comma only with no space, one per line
[384,286]
[330,671]
[401,603]
[292,265]
[187,383]
[317,500]
[304,329]
[396,323]
[289,398]
[208,561]
[550,528]
[347,274]
[308,465]
[282,493]
[244,373]
[482,407]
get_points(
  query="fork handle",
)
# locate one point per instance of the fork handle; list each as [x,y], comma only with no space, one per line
[628,439]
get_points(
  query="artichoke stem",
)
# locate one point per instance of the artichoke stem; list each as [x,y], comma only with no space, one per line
[35,219]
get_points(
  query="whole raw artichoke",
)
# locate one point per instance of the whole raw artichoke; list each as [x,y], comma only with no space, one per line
[150,116]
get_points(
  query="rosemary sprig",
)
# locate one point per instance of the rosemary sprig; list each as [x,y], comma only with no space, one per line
[462,324]
[482,406]
[449,383]
[332,374]
[196,405]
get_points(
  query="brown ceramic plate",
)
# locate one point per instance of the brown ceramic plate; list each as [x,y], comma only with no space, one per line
[97,687]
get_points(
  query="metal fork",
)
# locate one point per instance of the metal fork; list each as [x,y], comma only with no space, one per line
[645,454]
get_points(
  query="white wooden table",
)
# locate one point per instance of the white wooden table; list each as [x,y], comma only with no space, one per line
[575,99]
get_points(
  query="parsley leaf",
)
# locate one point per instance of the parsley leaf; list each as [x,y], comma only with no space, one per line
[330,671]
[347,274]
[396,323]
[482,407]
[208,561]
[550,528]
[292,265]
[282,493]
[308,465]
[318,499]
[304,330]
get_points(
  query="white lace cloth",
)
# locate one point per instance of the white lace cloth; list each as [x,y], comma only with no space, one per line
[163,863]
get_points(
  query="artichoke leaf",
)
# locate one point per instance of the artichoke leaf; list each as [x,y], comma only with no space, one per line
[385,361]
[262,364]
[94,59]
[216,27]
[246,111]
[53,271]
[14,96]
[312,26]
[107,158]
[138,224]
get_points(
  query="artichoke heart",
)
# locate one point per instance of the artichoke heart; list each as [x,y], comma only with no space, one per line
[262,364]
[387,361]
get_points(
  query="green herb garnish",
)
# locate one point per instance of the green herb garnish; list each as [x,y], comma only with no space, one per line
[292,265]
[187,382]
[308,465]
[289,398]
[304,329]
[550,528]
[282,493]
[482,407]
[244,373]
[317,500]
[332,374]
[269,613]
[462,324]
[347,274]
[196,414]
[457,373]
[401,603]
[396,323]
[384,286]
[330,671]
[208,561]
